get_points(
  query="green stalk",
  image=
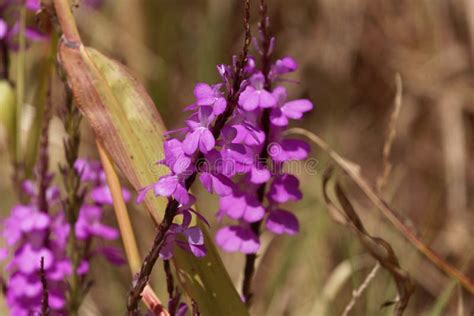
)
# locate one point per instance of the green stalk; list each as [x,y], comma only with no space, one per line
[46,73]
[20,98]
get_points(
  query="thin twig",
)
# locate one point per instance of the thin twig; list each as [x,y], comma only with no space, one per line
[358,292]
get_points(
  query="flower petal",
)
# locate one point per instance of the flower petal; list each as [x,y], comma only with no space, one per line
[282,222]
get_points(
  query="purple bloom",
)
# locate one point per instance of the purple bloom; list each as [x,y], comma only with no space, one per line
[237,238]
[282,222]
[211,96]
[284,188]
[283,66]
[255,96]
[236,165]
[200,136]
[219,184]
[169,186]
[3,29]
[33,4]
[9,28]
[259,174]
[242,206]
[113,255]
[192,238]
[289,149]
[295,109]
[89,224]
[175,158]
[33,234]
[102,195]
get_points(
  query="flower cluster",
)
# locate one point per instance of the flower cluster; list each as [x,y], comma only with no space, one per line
[31,233]
[236,161]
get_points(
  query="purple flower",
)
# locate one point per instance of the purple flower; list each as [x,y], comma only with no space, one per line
[169,186]
[259,174]
[282,222]
[91,173]
[200,136]
[113,255]
[283,66]
[295,109]
[89,170]
[3,29]
[211,96]
[236,166]
[175,158]
[242,206]
[255,96]
[192,238]
[33,234]
[237,238]
[89,224]
[33,5]
[289,149]
[102,195]
[219,184]
[284,188]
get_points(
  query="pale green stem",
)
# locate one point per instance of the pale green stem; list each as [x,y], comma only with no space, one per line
[20,83]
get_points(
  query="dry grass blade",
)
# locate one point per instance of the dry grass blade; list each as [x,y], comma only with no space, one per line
[392,132]
[353,171]
[377,247]
[149,297]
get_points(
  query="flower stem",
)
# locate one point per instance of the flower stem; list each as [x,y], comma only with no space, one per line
[250,259]
[45,295]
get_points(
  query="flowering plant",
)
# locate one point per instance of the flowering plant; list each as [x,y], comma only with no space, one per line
[38,230]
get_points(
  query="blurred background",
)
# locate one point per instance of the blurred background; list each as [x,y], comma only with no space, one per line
[349,52]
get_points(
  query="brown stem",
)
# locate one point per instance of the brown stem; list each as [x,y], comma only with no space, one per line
[66,20]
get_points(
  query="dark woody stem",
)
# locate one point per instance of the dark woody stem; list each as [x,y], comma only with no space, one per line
[45,294]
[172,207]
[249,268]
[173,300]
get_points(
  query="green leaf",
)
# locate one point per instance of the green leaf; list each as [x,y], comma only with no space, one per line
[127,124]
[8,114]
